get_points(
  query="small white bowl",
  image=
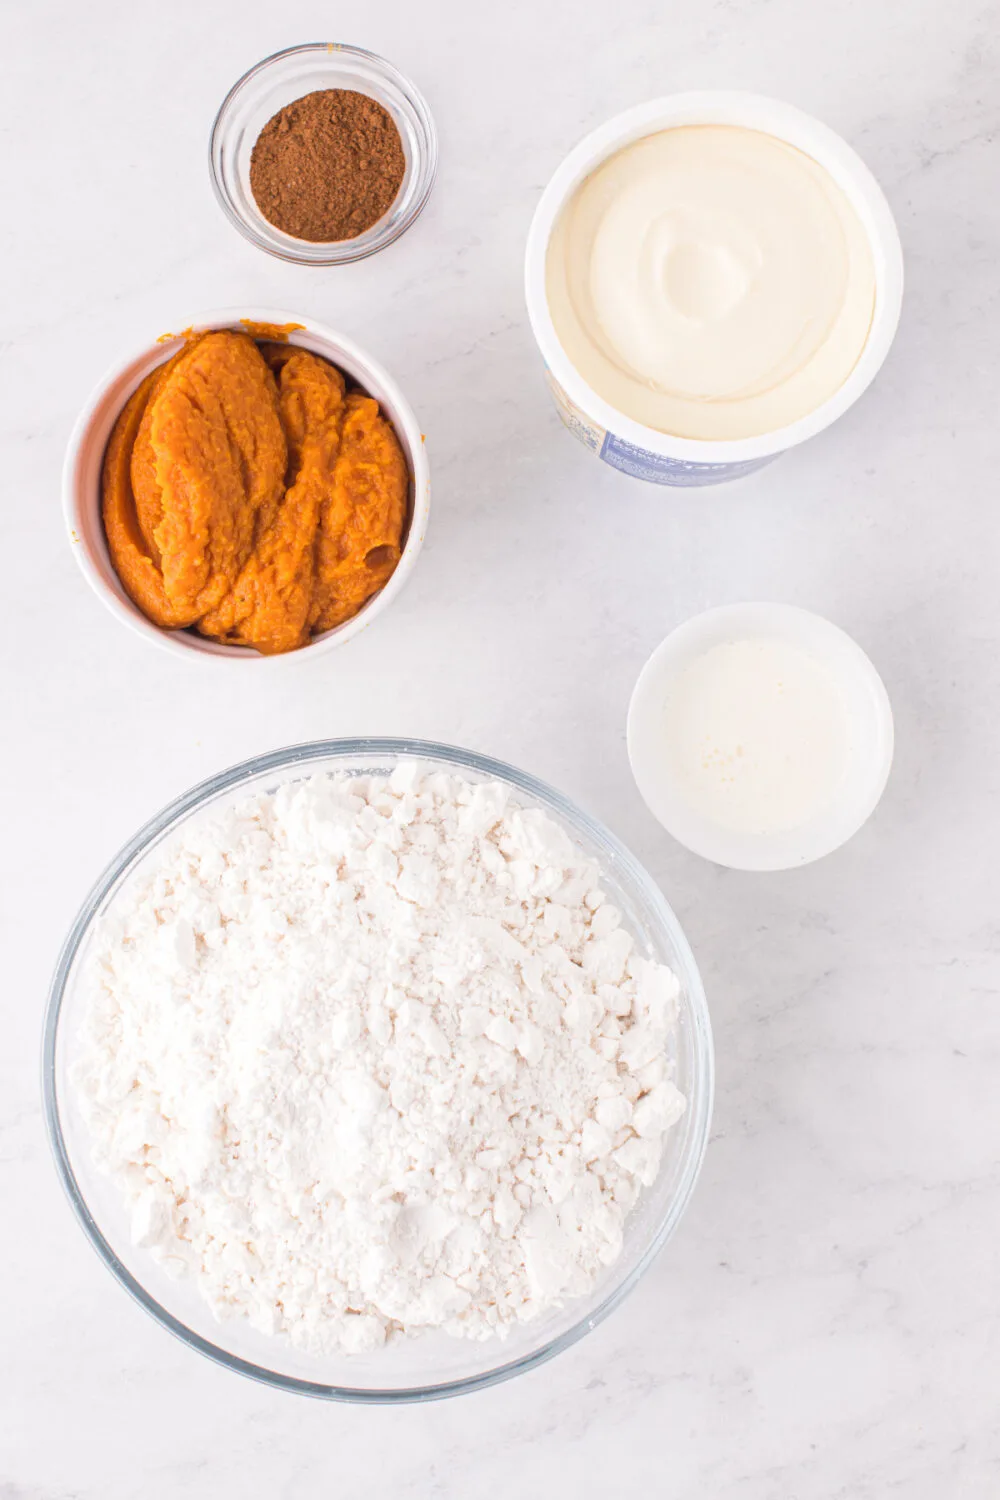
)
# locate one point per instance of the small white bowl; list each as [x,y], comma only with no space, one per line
[89,439]
[870,737]
[659,457]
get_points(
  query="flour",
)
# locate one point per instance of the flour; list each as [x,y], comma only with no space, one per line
[371,1055]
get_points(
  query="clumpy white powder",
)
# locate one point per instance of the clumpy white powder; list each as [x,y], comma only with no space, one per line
[370,1055]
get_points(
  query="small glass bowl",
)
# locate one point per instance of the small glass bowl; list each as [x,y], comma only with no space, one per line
[278,81]
[434,1364]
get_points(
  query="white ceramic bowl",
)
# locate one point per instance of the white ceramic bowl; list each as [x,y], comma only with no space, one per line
[642,451]
[85,457]
[870,736]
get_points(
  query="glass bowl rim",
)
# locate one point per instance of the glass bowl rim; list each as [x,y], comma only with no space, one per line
[338,252]
[301,755]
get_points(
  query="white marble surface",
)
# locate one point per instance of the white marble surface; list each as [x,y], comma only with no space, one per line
[825,1323]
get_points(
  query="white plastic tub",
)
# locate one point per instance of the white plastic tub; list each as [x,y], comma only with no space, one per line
[85,458]
[643,451]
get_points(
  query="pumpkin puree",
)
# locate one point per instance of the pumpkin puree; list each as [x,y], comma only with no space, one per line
[247,493]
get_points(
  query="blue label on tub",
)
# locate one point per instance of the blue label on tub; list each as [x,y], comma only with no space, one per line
[642,464]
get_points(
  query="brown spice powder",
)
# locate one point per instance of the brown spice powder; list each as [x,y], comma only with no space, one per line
[327,166]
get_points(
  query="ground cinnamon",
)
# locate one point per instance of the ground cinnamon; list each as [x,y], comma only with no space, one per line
[327,166]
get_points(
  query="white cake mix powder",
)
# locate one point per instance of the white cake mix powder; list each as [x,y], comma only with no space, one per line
[371,1055]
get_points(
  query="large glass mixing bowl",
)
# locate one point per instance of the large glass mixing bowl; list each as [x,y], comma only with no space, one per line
[434,1364]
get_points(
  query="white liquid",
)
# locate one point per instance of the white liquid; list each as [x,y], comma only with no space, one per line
[711,282]
[755,735]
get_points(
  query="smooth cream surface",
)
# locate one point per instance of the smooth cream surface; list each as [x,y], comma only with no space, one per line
[755,736]
[711,282]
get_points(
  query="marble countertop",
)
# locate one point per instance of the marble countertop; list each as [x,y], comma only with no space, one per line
[825,1322]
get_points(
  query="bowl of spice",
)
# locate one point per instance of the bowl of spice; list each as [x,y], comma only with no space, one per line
[323,154]
[247,489]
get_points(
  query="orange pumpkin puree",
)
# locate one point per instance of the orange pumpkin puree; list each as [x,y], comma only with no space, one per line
[247,493]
